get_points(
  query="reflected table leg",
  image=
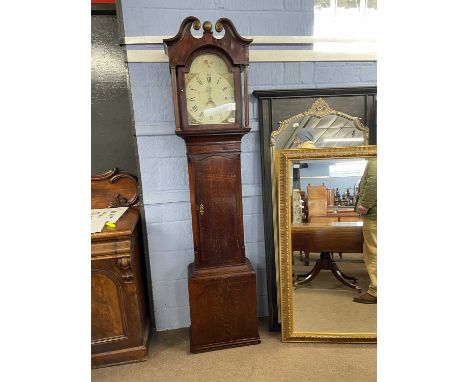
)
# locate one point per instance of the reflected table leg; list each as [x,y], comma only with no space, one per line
[326,262]
[337,273]
[346,276]
[311,275]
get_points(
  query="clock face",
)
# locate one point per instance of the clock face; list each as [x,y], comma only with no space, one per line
[210,91]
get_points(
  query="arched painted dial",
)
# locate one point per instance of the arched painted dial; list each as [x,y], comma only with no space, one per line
[209,91]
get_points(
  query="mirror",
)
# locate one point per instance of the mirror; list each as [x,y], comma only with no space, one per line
[318,127]
[322,269]
[274,107]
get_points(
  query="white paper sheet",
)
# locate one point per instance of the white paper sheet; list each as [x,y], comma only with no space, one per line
[99,217]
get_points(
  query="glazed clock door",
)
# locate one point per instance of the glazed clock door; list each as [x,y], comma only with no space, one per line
[219,208]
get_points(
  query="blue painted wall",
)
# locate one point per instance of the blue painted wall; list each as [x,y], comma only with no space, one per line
[162,154]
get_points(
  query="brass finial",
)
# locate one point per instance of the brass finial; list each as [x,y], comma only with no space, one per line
[207,26]
[196,25]
[219,27]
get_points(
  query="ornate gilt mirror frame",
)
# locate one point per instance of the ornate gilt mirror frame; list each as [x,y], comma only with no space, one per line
[284,158]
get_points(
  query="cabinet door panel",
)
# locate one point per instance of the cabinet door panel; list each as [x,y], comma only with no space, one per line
[218,211]
[108,321]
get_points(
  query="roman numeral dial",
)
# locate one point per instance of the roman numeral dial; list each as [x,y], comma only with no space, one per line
[209,91]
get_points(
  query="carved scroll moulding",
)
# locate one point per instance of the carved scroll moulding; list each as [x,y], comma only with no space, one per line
[319,109]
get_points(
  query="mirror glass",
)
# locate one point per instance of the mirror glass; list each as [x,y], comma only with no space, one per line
[318,127]
[321,241]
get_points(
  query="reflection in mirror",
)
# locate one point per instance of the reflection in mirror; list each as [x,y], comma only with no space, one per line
[324,194]
[326,271]
[318,127]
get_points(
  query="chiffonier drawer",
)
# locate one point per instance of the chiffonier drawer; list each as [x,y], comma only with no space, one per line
[102,250]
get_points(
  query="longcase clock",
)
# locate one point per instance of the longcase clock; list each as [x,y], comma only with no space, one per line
[209,76]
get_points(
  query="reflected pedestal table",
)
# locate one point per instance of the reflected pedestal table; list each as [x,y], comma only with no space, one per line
[326,238]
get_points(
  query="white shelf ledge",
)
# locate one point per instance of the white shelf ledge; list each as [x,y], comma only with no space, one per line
[266,40]
[265,56]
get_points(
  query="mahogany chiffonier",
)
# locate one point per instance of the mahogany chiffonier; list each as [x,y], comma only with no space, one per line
[119,317]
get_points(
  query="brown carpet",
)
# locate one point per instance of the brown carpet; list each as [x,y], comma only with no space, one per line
[170,360]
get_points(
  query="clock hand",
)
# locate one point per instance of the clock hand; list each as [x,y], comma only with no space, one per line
[210,102]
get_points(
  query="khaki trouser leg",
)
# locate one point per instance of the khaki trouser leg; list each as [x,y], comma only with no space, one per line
[369,230]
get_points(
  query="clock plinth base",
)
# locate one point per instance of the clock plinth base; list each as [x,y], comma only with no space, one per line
[223,307]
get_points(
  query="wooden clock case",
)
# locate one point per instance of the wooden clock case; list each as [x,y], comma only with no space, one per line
[221,280]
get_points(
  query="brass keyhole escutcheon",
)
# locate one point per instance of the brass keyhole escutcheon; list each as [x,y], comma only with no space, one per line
[202,209]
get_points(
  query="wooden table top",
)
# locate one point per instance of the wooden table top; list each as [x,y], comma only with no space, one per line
[325,225]
[123,227]
[342,213]
[344,237]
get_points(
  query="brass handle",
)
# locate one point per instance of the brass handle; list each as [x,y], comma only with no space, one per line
[202,209]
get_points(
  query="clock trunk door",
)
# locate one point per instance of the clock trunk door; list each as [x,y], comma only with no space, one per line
[219,208]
